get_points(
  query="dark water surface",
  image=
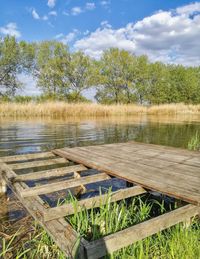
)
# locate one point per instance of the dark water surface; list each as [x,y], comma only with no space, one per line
[26,136]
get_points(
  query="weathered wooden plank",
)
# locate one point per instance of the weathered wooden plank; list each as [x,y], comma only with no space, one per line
[141,150]
[26,157]
[62,171]
[114,242]
[58,186]
[149,172]
[35,164]
[3,187]
[60,230]
[149,159]
[178,185]
[93,202]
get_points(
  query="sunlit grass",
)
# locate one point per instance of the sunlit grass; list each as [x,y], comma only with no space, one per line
[194,143]
[174,243]
[62,109]
[36,244]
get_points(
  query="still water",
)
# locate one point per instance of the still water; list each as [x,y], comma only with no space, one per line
[25,136]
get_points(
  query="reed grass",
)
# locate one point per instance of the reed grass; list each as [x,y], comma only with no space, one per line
[194,143]
[62,109]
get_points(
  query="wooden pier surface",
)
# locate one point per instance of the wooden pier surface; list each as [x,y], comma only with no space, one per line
[172,171]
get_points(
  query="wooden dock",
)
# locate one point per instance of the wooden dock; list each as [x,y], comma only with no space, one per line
[171,171]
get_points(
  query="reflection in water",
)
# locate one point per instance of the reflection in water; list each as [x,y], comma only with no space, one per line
[40,135]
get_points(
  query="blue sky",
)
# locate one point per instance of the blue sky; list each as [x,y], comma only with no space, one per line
[116,12]
[165,30]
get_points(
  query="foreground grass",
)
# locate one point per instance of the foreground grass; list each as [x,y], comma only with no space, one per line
[62,109]
[174,243]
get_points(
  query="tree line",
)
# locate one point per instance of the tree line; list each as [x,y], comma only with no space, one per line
[118,77]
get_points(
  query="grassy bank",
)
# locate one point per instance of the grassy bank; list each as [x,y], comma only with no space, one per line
[61,109]
[174,243]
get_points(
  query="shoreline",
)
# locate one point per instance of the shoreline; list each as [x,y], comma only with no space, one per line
[65,110]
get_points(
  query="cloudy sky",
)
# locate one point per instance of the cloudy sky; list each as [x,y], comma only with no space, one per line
[165,30]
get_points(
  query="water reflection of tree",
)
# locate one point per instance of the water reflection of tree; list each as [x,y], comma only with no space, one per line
[22,137]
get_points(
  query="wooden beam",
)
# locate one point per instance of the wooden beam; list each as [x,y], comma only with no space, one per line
[3,186]
[26,157]
[62,171]
[60,230]
[58,186]
[93,202]
[35,164]
[116,241]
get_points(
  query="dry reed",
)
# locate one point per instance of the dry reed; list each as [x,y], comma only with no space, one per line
[62,109]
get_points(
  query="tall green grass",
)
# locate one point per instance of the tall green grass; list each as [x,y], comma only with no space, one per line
[177,242]
[35,244]
[194,143]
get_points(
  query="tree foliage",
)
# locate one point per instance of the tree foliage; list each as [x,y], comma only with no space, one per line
[10,66]
[119,76]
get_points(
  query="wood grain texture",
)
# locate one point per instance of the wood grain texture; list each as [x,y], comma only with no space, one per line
[62,171]
[26,157]
[171,171]
[36,164]
[118,240]
[61,185]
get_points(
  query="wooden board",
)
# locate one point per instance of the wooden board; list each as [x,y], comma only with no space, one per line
[60,230]
[62,185]
[93,202]
[118,240]
[171,171]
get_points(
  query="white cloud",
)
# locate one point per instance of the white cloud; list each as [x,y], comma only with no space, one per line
[10,29]
[189,9]
[45,18]
[35,14]
[76,10]
[70,37]
[51,3]
[58,36]
[29,84]
[105,3]
[53,13]
[168,36]
[86,32]
[90,6]
[105,24]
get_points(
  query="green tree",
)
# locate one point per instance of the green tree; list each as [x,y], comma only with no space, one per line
[158,90]
[115,77]
[80,74]
[10,66]
[52,64]
[141,79]
[27,56]
[184,84]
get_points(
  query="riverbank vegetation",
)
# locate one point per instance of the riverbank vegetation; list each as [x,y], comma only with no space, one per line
[118,77]
[67,110]
[176,242]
